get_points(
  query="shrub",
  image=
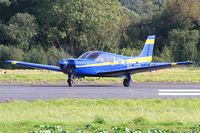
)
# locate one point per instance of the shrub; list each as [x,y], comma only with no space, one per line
[36,55]
[7,53]
[54,55]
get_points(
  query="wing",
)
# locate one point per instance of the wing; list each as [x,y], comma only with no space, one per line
[151,67]
[33,65]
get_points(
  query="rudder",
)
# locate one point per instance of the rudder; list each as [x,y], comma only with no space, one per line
[148,47]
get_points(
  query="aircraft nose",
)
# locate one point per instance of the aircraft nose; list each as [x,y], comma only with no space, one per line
[67,66]
[62,62]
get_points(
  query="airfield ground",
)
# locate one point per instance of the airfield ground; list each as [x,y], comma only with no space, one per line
[91,115]
[181,75]
[23,116]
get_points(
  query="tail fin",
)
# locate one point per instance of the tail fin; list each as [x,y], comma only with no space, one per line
[148,47]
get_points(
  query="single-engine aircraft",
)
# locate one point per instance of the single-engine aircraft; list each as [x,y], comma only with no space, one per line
[104,64]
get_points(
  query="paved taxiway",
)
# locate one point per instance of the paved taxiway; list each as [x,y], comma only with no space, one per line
[136,91]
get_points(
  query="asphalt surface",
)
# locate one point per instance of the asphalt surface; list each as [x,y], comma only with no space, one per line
[136,91]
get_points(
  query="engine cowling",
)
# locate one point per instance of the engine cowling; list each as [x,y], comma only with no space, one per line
[68,66]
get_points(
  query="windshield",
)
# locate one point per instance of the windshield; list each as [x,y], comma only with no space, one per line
[90,55]
[100,57]
[93,55]
[83,56]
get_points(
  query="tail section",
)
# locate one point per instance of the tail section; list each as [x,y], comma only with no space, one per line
[148,47]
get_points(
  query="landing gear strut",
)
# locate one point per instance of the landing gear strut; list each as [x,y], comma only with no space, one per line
[70,80]
[127,81]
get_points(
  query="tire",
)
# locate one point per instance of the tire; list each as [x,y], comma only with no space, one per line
[70,82]
[126,83]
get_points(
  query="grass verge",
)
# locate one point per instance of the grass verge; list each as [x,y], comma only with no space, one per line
[182,75]
[75,114]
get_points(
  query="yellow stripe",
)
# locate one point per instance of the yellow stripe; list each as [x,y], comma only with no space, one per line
[14,62]
[134,60]
[101,64]
[174,64]
[150,41]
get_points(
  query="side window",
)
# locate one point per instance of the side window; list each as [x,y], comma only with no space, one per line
[120,60]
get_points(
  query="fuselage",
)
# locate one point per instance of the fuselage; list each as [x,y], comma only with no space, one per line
[94,62]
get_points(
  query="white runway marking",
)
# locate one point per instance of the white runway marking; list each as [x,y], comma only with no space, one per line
[179,92]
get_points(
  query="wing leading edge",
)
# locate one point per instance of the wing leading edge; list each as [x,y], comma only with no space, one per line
[151,67]
[34,65]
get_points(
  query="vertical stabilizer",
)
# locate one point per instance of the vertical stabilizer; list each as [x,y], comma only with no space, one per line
[148,47]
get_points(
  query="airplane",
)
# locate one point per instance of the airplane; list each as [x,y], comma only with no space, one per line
[105,64]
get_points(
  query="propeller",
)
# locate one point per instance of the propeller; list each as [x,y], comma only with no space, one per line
[67,66]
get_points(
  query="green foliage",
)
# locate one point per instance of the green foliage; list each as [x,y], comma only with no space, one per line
[117,129]
[165,56]
[36,55]
[22,28]
[140,121]
[74,114]
[5,2]
[82,25]
[99,120]
[54,55]
[119,26]
[7,53]
[145,8]
[182,13]
[183,44]
[49,129]
[127,52]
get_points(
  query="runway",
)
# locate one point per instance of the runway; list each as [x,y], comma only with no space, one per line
[136,91]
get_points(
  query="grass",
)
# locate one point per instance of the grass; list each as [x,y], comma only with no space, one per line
[182,75]
[23,116]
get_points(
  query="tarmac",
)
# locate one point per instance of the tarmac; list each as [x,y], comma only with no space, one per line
[136,91]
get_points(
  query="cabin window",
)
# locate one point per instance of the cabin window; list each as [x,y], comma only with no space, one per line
[83,56]
[93,55]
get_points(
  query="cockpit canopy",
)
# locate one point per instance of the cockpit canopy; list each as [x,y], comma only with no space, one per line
[101,56]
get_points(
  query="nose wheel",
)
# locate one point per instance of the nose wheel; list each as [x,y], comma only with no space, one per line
[70,81]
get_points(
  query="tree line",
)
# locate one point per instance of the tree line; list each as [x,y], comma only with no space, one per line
[44,31]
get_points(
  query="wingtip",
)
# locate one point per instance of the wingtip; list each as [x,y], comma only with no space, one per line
[185,63]
[11,62]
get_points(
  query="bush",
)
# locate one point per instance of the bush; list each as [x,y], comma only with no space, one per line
[183,44]
[8,53]
[54,55]
[36,55]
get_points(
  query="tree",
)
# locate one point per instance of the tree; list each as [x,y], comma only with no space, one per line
[181,14]
[21,30]
[81,25]
[145,8]
[183,44]
[5,2]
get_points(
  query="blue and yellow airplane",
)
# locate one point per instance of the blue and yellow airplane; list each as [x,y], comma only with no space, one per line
[104,64]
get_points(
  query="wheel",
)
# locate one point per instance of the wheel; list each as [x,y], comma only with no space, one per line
[70,82]
[126,82]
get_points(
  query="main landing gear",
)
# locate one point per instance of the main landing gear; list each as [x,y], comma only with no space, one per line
[127,81]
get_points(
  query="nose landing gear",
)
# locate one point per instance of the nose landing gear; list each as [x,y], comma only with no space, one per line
[70,80]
